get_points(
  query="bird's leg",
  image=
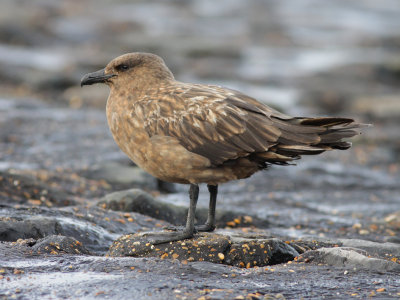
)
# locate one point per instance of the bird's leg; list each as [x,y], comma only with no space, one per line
[210,223]
[165,237]
[209,226]
[193,195]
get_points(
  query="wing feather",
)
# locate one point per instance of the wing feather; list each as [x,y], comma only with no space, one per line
[207,122]
[223,125]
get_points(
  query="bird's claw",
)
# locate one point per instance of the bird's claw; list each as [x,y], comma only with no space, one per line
[177,228]
[156,238]
[199,228]
[205,228]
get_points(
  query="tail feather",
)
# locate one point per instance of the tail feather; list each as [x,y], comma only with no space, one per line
[340,145]
[309,136]
[325,122]
[334,136]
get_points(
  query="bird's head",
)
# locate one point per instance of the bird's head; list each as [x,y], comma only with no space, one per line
[138,69]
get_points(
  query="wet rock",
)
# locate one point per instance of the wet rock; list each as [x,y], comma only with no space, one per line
[207,247]
[259,252]
[231,219]
[94,227]
[23,189]
[57,244]
[348,257]
[393,219]
[125,174]
[392,239]
[305,245]
[215,248]
[83,276]
[387,250]
[141,202]
[165,187]
[18,249]
[121,175]
[12,229]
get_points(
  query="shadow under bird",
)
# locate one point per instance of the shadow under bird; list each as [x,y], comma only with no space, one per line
[194,133]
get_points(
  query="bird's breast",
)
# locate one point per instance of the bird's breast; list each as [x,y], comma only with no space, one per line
[127,129]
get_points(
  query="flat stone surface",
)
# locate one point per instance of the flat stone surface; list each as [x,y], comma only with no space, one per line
[109,277]
[350,257]
[373,248]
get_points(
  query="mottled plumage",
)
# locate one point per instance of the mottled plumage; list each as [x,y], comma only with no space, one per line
[193,133]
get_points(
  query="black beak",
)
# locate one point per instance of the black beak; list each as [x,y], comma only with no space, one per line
[96,77]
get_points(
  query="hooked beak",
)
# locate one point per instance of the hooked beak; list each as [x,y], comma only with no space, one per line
[96,77]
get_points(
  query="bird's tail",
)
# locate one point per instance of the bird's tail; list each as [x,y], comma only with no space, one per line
[309,136]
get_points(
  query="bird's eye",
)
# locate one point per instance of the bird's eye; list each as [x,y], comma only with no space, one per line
[122,67]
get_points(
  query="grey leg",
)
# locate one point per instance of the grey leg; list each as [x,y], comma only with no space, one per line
[194,196]
[165,237]
[210,223]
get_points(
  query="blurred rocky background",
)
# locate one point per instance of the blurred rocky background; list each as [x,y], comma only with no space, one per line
[59,164]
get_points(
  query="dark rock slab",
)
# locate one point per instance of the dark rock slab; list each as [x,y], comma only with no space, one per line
[16,250]
[305,245]
[12,229]
[388,250]
[137,200]
[349,257]
[92,226]
[215,248]
[57,244]
[93,277]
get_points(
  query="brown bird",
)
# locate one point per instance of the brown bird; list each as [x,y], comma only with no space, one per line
[194,133]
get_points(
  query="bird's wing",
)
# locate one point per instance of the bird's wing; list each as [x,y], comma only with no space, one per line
[217,123]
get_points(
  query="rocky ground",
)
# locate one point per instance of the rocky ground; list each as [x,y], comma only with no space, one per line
[73,209]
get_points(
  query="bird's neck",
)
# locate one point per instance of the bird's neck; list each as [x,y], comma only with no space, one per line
[128,92]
